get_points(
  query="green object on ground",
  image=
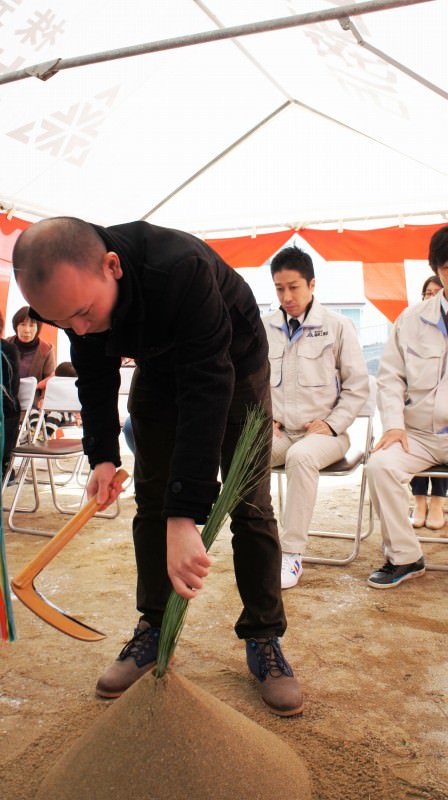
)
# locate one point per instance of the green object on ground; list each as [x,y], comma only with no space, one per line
[246,470]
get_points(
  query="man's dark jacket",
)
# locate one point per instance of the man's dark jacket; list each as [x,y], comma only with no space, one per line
[188,319]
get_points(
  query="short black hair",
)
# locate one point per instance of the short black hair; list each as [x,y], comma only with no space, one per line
[65,370]
[438,248]
[296,259]
[21,315]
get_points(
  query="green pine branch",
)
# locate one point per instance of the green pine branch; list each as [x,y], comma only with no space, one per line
[247,470]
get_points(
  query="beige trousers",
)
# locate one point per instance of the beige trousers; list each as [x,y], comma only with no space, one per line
[303,456]
[389,472]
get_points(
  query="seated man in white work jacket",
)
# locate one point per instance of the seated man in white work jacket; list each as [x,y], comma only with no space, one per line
[413,402]
[319,383]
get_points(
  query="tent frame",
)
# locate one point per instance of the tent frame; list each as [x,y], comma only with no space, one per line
[48,69]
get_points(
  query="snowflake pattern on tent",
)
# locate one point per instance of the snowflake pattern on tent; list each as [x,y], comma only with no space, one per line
[69,134]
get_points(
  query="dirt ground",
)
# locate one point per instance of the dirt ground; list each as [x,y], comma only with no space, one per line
[372,663]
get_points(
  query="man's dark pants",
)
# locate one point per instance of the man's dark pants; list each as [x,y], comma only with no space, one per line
[256,549]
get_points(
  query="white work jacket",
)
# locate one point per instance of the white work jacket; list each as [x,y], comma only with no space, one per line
[413,376]
[319,374]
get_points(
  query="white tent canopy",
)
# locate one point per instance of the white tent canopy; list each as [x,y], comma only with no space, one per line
[339,132]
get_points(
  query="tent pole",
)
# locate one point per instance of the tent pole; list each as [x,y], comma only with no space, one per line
[347,25]
[260,226]
[46,70]
[217,158]
[297,226]
[247,54]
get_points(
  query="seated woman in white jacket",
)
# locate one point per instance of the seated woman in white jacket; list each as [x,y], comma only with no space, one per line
[319,383]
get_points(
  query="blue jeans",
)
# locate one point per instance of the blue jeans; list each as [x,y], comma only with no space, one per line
[129,434]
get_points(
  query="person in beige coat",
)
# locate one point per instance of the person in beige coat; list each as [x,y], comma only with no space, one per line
[413,402]
[319,383]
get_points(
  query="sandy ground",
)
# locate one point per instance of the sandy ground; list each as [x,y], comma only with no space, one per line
[372,663]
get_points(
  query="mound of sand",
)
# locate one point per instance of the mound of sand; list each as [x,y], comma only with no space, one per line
[166,739]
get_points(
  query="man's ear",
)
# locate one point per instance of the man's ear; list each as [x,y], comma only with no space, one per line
[112,265]
[312,284]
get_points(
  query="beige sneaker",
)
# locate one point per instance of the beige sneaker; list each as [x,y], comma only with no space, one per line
[279,689]
[138,656]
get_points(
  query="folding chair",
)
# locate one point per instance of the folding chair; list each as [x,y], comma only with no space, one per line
[27,392]
[353,460]
[438,471]
[61,394]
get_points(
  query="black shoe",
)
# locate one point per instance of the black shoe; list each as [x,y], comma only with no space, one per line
[391,575]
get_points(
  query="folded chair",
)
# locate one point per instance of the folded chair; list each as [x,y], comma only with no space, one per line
[354,459]
[61,394]
[438,471]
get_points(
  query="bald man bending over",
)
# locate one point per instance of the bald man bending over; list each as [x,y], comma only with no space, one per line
[192,325]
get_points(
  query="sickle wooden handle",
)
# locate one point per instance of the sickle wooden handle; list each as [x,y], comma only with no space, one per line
[27,575]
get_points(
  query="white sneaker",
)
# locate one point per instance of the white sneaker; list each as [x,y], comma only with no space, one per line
[291,569]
